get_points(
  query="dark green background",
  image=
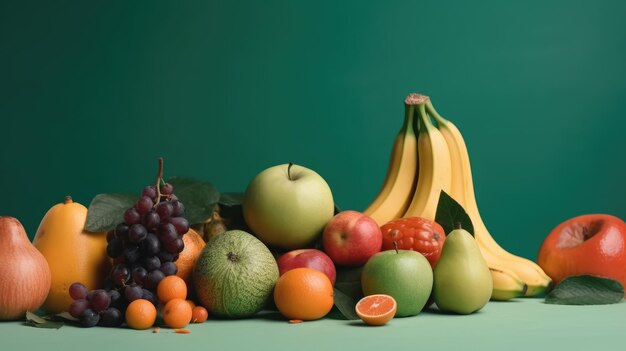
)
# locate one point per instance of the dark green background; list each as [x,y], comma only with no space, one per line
[92,92]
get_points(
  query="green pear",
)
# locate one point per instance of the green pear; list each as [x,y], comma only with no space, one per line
[462,281]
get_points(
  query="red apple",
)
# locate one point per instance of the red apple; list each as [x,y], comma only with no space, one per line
[309,258]
[351,238]
[590,244]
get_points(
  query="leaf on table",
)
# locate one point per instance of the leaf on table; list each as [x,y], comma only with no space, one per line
[586,290]
[107,210]
[34,320]
[450,214]
[198,196]
[65,316]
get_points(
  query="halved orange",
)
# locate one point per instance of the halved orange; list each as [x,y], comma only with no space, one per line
[376,309]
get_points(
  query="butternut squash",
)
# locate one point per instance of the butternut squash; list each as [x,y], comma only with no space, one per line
[73,254]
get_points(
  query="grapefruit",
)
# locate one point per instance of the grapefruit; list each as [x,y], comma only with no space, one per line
[235,275]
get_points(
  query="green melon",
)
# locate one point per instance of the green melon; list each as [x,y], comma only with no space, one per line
[235,275]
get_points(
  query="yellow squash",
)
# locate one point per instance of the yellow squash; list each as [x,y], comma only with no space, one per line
[73,254]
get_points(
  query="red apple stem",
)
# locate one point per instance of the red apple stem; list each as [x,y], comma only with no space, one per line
[289,170]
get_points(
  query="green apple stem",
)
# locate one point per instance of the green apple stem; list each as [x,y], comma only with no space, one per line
[458,225]
[289,170]
[395,246]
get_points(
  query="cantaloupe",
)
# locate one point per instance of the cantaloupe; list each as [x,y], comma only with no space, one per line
[235,275]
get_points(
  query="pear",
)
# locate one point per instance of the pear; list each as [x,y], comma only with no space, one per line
[462,281]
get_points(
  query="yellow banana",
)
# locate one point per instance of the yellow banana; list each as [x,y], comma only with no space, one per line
[395,195]
[506,286]
[534,277]
[462,190]
[434,167]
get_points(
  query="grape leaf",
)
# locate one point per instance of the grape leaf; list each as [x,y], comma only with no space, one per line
[107,210]
[198,196]
[586,290]
[450,214]
[231,199]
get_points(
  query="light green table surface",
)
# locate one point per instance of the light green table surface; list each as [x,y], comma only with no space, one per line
[526,324]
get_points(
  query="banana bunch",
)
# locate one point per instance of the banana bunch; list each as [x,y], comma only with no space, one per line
[427,159]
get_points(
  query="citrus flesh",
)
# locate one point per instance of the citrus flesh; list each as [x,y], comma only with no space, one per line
[376,309]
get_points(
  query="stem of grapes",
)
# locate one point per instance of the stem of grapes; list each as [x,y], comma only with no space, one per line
[158,180]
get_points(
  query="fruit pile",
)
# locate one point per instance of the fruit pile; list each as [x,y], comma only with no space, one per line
[284,245]
[428,159]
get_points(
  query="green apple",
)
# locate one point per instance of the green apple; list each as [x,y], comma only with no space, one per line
[288,206]
[406,275]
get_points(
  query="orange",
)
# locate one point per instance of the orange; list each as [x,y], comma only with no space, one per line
[199,314]
[303,293]
[188,257]
[171,287]
[376,309]
[177,313]
[141,314]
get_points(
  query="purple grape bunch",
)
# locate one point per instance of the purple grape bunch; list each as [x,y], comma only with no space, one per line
[144,249]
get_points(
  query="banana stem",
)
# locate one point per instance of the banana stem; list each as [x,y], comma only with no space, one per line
[409,114]
[424,119]
[433,112]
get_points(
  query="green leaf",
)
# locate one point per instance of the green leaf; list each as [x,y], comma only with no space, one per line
[39,322]
[107,210]
[586,290]
[231,199]
[349,281]
[198,196]
[345,304]
[348,290]
[450,214]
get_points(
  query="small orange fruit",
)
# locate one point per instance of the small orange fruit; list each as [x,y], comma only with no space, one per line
[376,309]
[177,313]
[191,303]
[141,314]
[199,314]
[171,287]
[188,257]
[303,293]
